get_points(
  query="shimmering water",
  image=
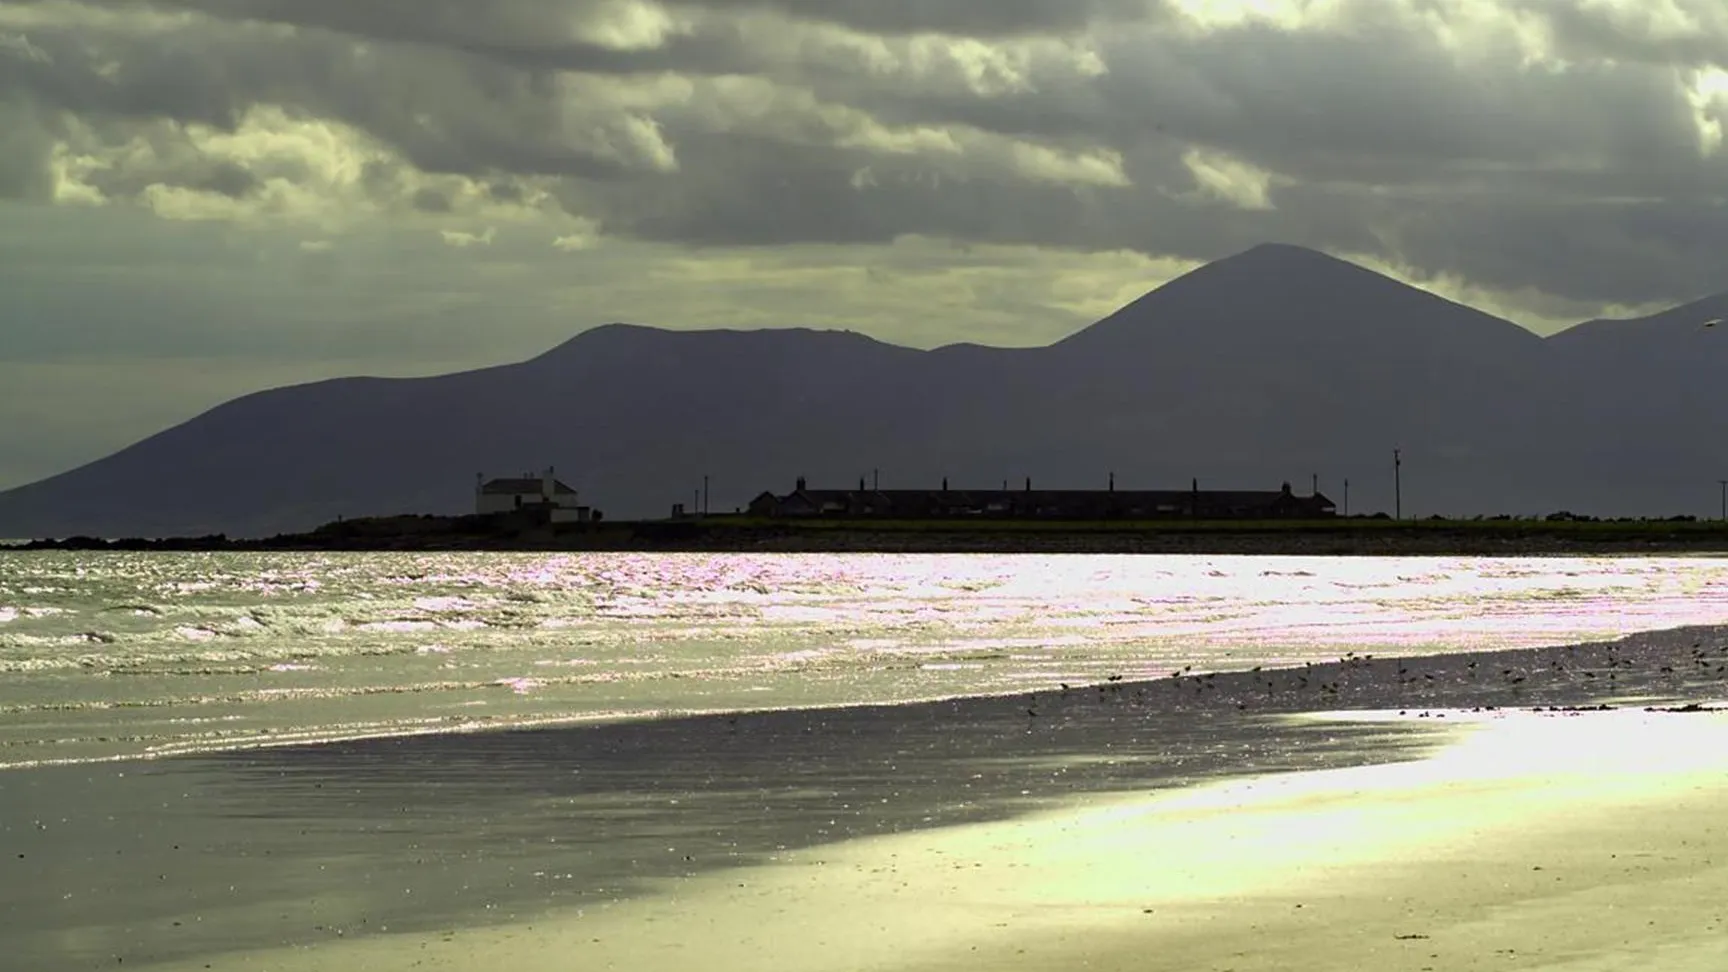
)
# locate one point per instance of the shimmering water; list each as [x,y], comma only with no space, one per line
[122,655]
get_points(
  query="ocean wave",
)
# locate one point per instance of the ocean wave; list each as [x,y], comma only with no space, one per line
[296,642]
[139,610]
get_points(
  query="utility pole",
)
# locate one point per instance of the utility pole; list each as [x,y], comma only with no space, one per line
[1397,484]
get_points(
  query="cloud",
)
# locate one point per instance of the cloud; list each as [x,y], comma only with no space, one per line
[1228,180]
[461,239]
[1690,33]
[19,46]
[1175,128]
[585,238]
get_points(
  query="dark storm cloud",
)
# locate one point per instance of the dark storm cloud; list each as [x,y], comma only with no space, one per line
[1693,33]
[739,192]
[444,111]
[172,75]
[1649,252]
[529,24]
[978,18]
[1049,122]
[1323,106]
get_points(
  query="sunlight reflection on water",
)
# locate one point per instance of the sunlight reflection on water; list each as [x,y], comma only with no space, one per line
[127,654]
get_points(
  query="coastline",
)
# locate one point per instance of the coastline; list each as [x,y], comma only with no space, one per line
[1424,794]
[727,534]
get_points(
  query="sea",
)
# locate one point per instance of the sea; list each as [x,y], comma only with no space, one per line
[124,656]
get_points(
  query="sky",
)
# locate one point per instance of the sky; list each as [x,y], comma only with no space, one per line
[202,198]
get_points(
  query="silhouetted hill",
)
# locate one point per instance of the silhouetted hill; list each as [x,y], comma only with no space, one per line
[1263,367]
[1287,358]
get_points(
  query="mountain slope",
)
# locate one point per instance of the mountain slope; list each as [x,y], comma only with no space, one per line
[1646,396]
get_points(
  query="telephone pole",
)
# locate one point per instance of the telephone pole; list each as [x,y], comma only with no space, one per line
[1397,484]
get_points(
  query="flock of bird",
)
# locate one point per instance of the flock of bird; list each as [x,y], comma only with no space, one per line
[1441,679]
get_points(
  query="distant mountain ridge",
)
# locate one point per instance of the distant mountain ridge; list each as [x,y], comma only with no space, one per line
[1268,366]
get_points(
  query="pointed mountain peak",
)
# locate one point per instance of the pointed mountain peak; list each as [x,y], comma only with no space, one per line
[1275,289]
[1274,251]
[1270,272]
[1274,263]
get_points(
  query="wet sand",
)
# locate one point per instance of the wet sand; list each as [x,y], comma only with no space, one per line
[1450,864]
[1376,813]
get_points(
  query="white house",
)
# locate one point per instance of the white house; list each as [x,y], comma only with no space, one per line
[528,492]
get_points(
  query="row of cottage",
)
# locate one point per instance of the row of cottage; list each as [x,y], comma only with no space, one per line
[546,495]
[1043,503]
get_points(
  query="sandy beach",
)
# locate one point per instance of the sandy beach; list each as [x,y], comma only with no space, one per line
[1432,813]
[1609,864]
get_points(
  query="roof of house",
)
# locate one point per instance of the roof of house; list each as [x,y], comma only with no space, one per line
[519,485]
[906,498]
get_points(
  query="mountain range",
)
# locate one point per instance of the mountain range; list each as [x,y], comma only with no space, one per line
[1276,364]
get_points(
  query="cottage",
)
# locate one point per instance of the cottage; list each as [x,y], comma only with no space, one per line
[541,495]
